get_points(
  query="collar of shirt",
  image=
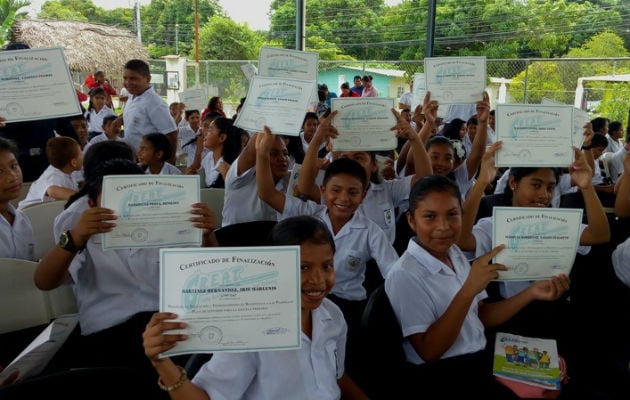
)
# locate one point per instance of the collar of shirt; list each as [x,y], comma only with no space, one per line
[432,264]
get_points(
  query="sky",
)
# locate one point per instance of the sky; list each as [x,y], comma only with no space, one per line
[254,12]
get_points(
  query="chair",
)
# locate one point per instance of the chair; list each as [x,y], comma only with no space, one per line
[42,217]
[213,197]
[383,371]
[254,233]
[62,301]
[576,200]
[22,304]
[488,202]
[23,192]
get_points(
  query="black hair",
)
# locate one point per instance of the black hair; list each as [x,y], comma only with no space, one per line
[431,184]
[9,145]
[232,142]
[95,91]
[451,130]
[521,172]
[598,123]
[472,120]
[356,77]
[160,143]
[299,230]
[212,115]
[599,140]
[98,154]
[367,78]
[294,147]
[310,115]
[212,103]
[346,166]
[614,126]
[491,112]
[321,95]
[440,140]
[109,119]
[188,113]
[117,166]
[138,66]
[345,85]
[17,46]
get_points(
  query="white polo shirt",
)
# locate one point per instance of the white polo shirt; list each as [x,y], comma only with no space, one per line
[16,241]
[421,288]
[358,241]
[210,168]
[167,169]
[50,177]
[381,201]
[621,261]
[310,373]
[146,113]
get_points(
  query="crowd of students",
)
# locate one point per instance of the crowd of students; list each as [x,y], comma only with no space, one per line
[418,227]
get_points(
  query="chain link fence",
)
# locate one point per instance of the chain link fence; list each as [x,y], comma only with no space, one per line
[513,80]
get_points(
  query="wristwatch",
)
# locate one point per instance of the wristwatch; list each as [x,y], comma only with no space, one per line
[67,243]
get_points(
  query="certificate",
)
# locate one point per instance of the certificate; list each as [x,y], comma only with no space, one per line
[284,63]
[152,210]
[279,103]
[580,118]
[194,99]
[419,91]
[364,123]
[234,299]
[534,135]
[249,70]
[36,84]
[539,242]
[455,80]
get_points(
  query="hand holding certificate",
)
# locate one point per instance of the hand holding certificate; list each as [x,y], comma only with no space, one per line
[236,299]
[151,210]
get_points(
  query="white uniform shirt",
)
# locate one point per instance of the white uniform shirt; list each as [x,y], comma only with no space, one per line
[210,168]
[616,163]
[16,241]
[613,144]
[101,137]
[95,119]
[483,235]
[420,288]
[358,241]
[112,285]
[381,201]
[241,202]
[50,177]
[167,169]
[309,373]
[146,113]
[621,261]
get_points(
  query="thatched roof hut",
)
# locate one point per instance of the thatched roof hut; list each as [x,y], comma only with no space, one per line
[88,47]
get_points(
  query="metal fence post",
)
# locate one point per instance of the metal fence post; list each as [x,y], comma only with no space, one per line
[527,63]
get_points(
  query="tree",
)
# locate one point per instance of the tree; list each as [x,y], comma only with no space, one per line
[9,12]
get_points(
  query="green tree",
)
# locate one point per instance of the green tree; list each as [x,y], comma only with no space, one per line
[9,12]
[87,11]
[542,80]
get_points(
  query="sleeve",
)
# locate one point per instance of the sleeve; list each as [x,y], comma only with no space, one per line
[161,118]
[400,189]
[234,181]
[581,249]
[621,262]
[483,236]
[414,314]
[227,375]
[381,250]
[294,206]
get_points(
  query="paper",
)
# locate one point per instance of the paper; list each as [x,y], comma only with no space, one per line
[284,63]
[419,91]
[233,299]
[364,123]
[580,118]
[249,70]
[36,84]
[529,360]
[194,99]
[539,242]
[534,135]
[278,103]
[36,356]
[455,80]
[152,210]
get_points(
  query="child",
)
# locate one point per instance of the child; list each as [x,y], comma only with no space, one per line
[154,151]
[316,370]
[97,111]
[358,239]
[221,139]
[188,134]
[383,197]
[56,183]
[437,297]
[80,126]
[176,110]
[116,290]
[16,232]
[110,132]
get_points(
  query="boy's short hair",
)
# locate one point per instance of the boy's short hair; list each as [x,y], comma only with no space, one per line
[109,119]
[9,145]
[346,166]
[188,113]
[138,66]
[599,140]
[60,150]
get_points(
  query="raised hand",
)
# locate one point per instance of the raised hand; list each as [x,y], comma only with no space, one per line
[581,172]
[483,108]
[488,171]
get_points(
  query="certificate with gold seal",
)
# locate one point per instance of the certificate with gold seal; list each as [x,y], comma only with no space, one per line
[236,299]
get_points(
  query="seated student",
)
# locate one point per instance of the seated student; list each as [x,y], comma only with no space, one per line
[593,147]
[358,239]
[154,151]
[222,141]
[187,136]
[110,132]
[241,203]
[116,290]
[16,232]
[80,127]
[315,371]
[56,182]
[438,298]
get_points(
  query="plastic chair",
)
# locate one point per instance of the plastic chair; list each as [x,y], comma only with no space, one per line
[213,197]
[254,233]
[42,217]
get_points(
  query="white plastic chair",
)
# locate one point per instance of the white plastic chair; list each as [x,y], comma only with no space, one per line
[22,304]
[42,217]
[213,197]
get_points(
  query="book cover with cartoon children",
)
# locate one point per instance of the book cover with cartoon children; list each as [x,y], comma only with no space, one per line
[529,360]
